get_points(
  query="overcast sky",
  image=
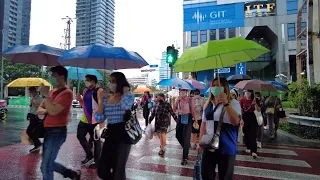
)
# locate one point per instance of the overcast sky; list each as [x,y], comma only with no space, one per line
[144,26]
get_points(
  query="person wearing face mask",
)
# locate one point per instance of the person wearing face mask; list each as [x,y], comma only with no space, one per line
[33,117]
[162,115]
[197,104]
[113,108]
[250,127]
[89,102]
[56,108]
[146,99]
[220,101]
[184,124]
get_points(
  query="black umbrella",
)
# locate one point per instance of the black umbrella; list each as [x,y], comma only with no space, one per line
[234,79]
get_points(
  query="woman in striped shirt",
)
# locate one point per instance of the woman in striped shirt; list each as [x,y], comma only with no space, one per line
[116,147]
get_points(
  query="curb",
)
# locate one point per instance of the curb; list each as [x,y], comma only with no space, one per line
[300,141]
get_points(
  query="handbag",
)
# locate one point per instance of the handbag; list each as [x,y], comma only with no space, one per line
[132,126]
[210,141]
[259,117]
[33,118]
[197,168]
[184,117]
[39,128]
[281,113]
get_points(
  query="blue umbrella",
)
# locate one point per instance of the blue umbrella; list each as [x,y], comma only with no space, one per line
[280,86]
[176,82]
[76,73]
[102,57]
[39,54]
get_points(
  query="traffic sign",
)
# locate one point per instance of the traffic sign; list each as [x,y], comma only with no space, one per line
[153,66]
[242,68]
[224,70]
[148,70]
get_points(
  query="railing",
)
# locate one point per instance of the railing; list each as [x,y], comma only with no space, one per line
[304,120]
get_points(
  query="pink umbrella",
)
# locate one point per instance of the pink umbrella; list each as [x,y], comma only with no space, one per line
[255,85]
[196,84]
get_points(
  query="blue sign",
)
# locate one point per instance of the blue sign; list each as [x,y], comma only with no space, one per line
[242,68]
[224,70]
[154,66]
[201,17]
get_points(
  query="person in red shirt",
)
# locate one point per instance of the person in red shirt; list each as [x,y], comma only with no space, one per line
[250,127]
[56,108]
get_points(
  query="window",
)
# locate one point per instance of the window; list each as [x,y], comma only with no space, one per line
[291,32]
[194,38]
[213,34]
[232,32]
[292,6]
[203,36]
[303,25]
[222,34]
[305,9]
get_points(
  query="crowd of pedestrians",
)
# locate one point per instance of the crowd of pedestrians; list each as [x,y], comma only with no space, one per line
[212,126]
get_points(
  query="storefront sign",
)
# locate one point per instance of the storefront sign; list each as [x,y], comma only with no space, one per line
[202,17]
[260,8]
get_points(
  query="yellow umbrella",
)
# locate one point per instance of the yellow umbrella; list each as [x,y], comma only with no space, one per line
[28,82]
[141,90]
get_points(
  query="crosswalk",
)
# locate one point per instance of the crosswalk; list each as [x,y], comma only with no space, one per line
[272,163]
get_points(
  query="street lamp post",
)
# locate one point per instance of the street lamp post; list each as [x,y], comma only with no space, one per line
[2,64]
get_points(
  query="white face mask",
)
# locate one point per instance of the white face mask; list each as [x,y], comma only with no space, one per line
[183,93]
[87,83]
[247,95]
[112,87]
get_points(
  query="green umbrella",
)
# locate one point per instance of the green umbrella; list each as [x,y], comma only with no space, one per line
[219,54]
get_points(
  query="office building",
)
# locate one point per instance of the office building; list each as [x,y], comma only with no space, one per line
[164,70]
[14,23]
[95,22]
[271,23]
[138,81]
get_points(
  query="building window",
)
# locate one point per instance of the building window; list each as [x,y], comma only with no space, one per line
[292,6]
[203,36]
[303,26]
[305,9]
[232,32]
[291,32]
[194,38]
[222,34]
[213,34]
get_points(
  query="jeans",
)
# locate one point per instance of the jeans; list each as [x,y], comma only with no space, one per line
[273,122]
[53,139]
[225,165]
[260,133]
[83,130]
[183,135]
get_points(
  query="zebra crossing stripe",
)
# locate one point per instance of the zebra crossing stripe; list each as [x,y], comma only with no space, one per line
[239,170]
[137,174]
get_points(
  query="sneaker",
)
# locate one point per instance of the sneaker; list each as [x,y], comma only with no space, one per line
[161,152]
[184,162]
[248,151]
[35,149]
[87,161]
[254,155]
[92,165]
[272,137]
[259,145]
[265,127]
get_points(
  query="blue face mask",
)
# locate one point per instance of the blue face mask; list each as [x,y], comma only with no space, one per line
[216,90]
[53,81]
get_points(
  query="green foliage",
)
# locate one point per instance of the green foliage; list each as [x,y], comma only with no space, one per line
[305,132]
[287,104]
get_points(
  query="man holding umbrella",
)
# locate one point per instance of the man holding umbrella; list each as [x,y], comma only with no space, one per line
[89,102]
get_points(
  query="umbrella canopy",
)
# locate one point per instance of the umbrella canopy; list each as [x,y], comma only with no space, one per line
[280,86]
[255,85]
[176,82]
[219,54]
[196,84]
[234,79]
[142,90]
[173,93]
[40,54]
[102,57]
[28,82]
[76,73]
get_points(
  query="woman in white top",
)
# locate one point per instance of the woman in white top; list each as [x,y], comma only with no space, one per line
[225,156]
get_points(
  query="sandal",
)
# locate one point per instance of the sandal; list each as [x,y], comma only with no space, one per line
[161,152]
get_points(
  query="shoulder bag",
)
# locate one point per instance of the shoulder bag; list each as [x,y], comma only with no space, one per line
[210,141]
[39,128]
[132,126]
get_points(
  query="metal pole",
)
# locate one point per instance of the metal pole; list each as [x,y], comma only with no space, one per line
[2,64]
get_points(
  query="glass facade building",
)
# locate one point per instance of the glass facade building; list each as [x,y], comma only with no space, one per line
[95,22]
[14,23]
[164,70]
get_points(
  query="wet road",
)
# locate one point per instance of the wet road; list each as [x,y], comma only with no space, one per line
[144,163]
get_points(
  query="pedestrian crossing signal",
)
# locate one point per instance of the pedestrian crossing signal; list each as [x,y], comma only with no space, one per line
[172,55]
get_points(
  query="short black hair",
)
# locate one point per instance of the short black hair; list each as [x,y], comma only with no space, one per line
[32,89]
[61,71]
[161,95]
[258,93]
[92,78]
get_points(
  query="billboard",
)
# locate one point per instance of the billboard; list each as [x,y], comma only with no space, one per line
[202,17]
[260,8]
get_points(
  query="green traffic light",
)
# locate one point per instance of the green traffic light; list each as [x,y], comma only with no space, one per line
[169,58]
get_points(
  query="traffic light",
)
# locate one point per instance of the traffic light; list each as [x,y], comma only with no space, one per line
[172,55]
